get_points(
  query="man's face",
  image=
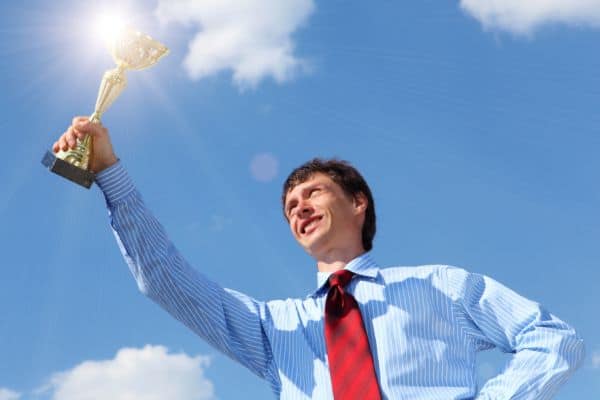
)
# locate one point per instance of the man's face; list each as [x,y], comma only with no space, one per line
[322,217]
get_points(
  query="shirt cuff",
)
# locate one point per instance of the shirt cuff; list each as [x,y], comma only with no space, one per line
[115,183]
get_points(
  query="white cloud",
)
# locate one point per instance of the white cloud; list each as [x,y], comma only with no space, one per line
[264,167]
[524,16]
[7,394]
[252,38]
[596,359]
[150,373]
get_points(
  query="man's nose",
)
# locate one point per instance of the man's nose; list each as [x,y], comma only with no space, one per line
[305,209]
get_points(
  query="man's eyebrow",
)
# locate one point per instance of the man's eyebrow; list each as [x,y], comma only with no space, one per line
[312,186]
[304,190]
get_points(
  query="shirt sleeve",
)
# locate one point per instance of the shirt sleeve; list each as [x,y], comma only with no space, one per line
[546,351]
[230,321]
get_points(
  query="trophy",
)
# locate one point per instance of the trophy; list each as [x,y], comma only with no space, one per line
[130,50]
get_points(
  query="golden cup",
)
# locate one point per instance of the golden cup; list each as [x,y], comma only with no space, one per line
[131,50]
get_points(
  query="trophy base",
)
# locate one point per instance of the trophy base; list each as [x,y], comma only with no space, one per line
[69,171]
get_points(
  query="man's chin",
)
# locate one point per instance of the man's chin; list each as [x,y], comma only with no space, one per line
[314,247]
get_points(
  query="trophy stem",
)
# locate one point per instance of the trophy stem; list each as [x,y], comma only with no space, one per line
[95,117]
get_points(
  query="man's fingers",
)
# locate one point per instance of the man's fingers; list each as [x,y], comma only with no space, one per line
[84,126]
[79,119]
[66,141]
[80,128]
[70,137]
[78,134]
[62,143]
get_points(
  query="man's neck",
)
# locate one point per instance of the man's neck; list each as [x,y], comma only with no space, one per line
[338,259]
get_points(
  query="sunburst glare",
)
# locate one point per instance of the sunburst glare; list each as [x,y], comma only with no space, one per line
[108,26]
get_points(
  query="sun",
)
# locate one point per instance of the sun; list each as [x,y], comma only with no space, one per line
[108,26]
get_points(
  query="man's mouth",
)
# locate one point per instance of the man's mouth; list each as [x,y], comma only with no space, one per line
[310,225]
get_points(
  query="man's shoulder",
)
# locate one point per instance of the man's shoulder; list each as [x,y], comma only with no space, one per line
[429,272]
[448,279]
[414,270]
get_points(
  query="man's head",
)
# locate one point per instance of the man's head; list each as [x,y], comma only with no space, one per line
[328,203]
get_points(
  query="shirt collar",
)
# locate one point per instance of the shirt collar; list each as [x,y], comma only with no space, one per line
[363,265]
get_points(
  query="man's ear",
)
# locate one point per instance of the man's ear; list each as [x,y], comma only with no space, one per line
[360,203]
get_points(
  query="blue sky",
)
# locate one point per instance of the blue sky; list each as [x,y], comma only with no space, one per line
[476,125]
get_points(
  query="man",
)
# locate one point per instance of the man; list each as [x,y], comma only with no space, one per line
[366,332]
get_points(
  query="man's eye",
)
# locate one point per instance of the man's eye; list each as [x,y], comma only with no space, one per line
[314,192]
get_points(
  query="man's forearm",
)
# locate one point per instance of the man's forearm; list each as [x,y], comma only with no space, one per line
[545,358]
[546,350]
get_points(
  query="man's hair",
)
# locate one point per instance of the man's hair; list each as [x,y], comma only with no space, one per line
[347,177]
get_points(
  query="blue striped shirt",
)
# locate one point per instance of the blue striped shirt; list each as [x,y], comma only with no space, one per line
[425,324]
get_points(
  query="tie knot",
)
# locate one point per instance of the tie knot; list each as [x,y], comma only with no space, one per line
[340,278]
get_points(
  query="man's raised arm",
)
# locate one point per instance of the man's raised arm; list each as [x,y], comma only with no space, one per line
[230,321]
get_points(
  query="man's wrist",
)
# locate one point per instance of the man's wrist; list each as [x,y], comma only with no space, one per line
[109,162]
[115,183]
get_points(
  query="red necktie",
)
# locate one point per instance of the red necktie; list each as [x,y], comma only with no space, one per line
[350,361]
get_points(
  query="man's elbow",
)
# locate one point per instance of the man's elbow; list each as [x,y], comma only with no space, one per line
[573,350]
